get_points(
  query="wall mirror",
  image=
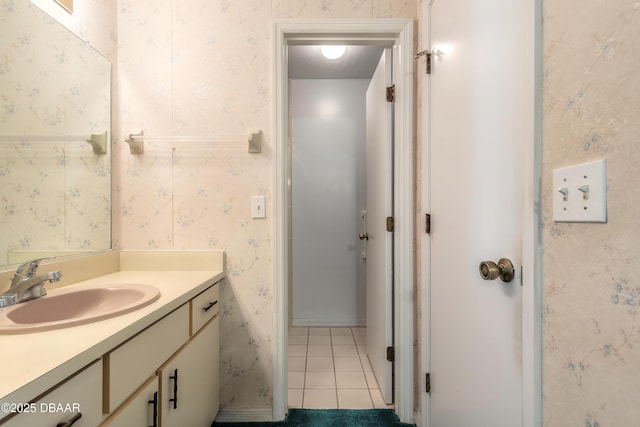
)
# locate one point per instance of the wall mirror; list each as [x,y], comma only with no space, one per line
[55,128]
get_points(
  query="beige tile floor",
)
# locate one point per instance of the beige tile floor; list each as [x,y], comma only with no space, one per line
[329,369]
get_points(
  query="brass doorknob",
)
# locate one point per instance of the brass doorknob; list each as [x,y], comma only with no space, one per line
[489,270]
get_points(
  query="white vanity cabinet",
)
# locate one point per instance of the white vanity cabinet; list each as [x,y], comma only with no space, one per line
[110,371]
[79,394]
[177,357]
[190,381]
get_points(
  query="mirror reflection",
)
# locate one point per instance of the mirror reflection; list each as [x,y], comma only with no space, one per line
[55,185]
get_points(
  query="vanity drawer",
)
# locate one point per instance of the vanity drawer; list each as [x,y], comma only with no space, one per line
[204,307]
[78,394]
[129,365]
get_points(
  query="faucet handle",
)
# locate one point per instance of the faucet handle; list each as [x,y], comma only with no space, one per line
[29,268]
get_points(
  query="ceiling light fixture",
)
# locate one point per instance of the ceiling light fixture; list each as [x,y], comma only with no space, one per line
[333,52]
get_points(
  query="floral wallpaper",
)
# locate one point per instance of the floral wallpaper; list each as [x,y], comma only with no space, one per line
[203,67]
[591,301]
[55,194]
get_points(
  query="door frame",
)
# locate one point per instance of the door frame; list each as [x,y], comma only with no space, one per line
[531,275]
[365,31]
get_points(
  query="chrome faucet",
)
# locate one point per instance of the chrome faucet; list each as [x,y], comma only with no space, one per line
[25,285]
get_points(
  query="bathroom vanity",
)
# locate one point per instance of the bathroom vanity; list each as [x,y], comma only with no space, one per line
[155,366]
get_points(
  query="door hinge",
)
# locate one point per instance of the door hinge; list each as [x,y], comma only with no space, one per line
[391,354]
[427,385]
[391,93]
[390,224]
[427,56]
[427,223]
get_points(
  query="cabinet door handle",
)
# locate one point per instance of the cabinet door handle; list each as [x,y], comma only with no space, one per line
[175,389]
[155,409]
[208,307]
[71,421]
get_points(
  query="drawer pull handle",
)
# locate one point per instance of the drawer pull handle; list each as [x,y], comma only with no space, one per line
[175,389]
[71,421]
[211,304]
[155,409]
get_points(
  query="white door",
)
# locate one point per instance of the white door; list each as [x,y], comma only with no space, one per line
[476,186]
[379,207]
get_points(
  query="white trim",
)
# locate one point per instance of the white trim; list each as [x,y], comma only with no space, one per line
[531,222]
[531,219]
[244,415]
[425,241]
[404,213]
[400,33]
[280,221]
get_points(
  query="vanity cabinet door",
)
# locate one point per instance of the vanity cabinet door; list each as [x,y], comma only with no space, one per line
[80,394]
[141,409]
[190,381]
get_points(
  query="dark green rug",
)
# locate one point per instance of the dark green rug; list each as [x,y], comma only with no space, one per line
[330,418]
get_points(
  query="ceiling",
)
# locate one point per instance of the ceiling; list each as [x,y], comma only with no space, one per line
[358,62]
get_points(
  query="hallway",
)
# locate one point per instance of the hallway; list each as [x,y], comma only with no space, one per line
[329,369]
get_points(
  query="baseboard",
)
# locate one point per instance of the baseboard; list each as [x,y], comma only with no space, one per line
[352,323]
[245,415]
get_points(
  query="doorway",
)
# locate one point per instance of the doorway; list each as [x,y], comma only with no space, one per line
[398,32]
[341,252]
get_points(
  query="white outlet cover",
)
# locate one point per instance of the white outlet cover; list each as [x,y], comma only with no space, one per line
[577,208]
[258,206]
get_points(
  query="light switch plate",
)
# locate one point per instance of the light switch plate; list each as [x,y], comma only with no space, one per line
[580,193]
[258,207]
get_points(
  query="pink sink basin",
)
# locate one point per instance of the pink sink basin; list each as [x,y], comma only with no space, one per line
[71,306]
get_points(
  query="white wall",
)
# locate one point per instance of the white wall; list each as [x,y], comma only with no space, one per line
[328,195]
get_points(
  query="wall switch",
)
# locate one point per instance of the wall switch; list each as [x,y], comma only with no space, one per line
[258,207]
[580,193]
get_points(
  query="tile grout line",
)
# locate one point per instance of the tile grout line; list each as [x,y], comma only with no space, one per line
[362,367]
[332,341]
[363,372]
